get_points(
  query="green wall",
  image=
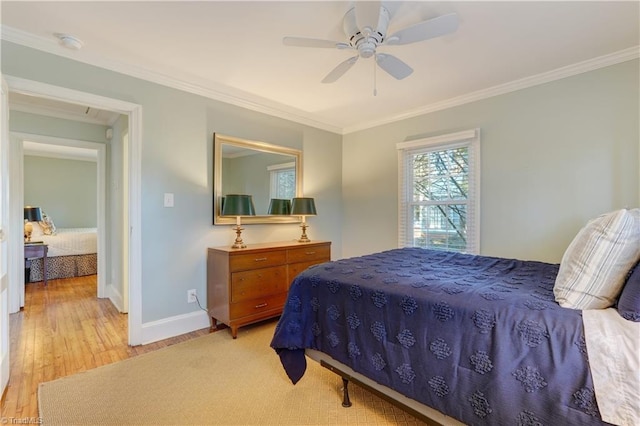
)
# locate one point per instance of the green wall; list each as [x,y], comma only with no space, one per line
[552,157]
[57,127]
[64,189]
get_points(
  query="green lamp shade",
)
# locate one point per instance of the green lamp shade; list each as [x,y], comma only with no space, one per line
[279,206]
[238,205]
[303,206]
[32,214]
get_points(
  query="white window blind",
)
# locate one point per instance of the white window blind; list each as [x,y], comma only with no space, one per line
[282,180]
[439,193]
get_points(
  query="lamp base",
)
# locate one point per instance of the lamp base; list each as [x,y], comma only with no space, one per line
[303,237]
[28,230]
[238,244]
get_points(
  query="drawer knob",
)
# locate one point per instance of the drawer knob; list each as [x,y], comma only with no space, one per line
[262,305]
[260,259]
[310,252]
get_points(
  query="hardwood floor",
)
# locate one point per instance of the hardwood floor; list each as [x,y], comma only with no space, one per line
[62,330]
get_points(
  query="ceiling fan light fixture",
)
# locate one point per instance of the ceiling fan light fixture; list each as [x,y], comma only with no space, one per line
[367,49]
[69,41]
[365,26]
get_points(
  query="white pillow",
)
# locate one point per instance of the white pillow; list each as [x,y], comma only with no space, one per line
[47,225]
[595,264]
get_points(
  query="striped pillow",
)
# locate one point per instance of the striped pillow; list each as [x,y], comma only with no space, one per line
[596,263]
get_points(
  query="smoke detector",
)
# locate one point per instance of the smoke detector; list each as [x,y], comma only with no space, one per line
[69,41]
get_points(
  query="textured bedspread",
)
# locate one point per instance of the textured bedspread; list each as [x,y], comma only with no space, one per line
[71,242]
[480,339]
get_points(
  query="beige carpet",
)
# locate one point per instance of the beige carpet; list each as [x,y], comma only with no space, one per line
[211,380]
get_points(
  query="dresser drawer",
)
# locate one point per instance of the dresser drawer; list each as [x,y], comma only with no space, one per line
[312,253]
[243,262]
[296,268]
[258,283]
[257,306]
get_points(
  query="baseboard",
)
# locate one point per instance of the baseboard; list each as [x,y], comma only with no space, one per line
[174,326]
[4,395]
[116,297]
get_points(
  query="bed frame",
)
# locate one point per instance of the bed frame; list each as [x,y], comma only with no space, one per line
[422,412]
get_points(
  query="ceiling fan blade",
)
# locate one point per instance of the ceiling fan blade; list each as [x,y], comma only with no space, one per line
[339,71]
[445,24]
[314,42]
[367,16]
[394,66]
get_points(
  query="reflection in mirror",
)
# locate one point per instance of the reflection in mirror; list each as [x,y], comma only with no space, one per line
[259,169]
[279,206]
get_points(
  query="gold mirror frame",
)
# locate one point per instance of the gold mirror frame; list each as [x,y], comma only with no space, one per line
[221,140]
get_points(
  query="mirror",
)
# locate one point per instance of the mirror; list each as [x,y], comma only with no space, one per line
[260,169]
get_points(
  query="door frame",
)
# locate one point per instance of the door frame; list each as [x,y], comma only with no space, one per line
[134,243]
[5,229]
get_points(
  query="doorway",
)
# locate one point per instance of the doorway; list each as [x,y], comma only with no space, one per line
[131,240]
[59,148]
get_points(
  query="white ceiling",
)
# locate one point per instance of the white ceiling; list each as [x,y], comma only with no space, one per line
[233,51]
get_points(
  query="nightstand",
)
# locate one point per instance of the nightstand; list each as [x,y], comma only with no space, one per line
[36,251]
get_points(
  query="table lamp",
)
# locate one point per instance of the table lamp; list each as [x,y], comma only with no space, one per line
[31,214]
[238,205]
[303,206]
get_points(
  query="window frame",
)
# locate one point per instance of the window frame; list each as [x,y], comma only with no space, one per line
[276,169]
[467,138]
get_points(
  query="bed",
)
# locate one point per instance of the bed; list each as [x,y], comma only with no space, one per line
[72,252]
[461,338]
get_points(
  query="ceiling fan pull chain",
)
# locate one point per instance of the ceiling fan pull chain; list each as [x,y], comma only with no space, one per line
[375,81]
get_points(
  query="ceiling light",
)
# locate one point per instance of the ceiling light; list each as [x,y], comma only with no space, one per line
[69,41]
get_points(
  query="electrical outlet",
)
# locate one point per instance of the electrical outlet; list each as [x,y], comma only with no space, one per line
[191,296]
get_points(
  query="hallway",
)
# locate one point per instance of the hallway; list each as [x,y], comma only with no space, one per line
[64,329]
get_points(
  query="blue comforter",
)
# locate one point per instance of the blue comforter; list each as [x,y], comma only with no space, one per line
[478,338]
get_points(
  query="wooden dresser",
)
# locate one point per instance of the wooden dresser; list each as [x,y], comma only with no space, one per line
[250,284]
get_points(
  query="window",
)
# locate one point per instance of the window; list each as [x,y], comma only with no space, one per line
[283,180]
[439,192]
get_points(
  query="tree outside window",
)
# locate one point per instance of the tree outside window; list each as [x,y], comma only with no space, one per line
[283,180]
[440,188]
[438,203]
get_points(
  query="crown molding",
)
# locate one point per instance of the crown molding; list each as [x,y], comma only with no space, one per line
[523,83]
[59,148]
[59,156]
[251,102]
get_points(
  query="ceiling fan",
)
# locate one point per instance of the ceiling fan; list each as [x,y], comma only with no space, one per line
[365,26]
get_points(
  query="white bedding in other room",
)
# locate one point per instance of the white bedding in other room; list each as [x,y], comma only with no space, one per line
[614,359]
[71,241]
